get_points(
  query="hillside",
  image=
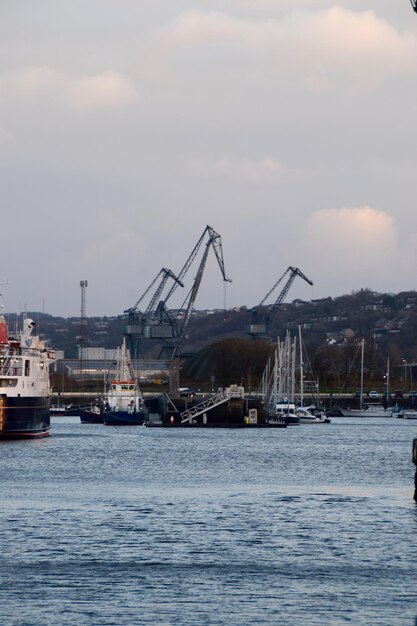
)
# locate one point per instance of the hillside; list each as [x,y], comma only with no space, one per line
[331,327]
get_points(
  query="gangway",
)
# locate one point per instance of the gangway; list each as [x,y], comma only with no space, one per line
[202,407]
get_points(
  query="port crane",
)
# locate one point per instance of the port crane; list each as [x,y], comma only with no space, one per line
[262,315]
[139,323]
[158,321]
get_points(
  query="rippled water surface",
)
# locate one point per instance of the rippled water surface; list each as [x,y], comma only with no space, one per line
[309,525]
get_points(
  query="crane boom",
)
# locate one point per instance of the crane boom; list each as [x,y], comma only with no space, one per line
[155,298]
[139,324]
[194,289]
[215,241]
[157,321]
[261,319]
[414,5]
[293,271]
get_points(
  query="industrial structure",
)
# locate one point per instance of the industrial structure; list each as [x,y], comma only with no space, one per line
[157,321]
[263,315]
[83,336]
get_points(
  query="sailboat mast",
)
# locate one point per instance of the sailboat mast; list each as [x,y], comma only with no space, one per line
[293,354]
[301,368]
[362,359]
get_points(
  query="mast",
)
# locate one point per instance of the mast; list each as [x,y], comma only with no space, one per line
[362,359]
[275,383]
[301,368]
[293,358]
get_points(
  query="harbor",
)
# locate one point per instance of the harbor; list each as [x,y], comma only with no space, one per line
[181,524]
[208,313]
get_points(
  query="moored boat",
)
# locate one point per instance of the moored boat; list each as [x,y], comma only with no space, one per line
[410,415]
[368,410]
[24,383]
[284,412]
[123,404]
[92,414]
[64,409]
[306,416]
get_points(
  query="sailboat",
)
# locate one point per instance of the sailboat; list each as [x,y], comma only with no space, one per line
[123,405]
[277,386]
[368,410]
[307,414]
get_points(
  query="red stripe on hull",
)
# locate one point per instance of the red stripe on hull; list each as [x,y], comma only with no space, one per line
[17,435]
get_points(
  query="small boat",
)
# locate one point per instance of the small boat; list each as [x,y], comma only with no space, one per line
[92,414]
[57,409]
[307,416]
[123,404]
[410,415]
[64,409]
[24,383]
[401,413]
[284,412]
[368,410]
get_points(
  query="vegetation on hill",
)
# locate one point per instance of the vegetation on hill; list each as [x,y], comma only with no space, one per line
[332,329]
[226,362]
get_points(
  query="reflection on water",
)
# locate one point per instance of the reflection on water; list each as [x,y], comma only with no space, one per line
[307,525]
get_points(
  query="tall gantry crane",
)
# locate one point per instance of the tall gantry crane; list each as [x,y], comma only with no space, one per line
[215,243]
[262,315]
[157,321]
[140,324]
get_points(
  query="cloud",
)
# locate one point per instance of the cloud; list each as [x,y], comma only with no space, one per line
[321,48]
[366,228]
[353,246]
[107,90]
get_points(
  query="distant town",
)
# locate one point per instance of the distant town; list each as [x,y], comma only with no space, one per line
[332,329]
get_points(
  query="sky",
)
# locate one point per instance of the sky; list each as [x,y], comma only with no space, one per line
[126,127]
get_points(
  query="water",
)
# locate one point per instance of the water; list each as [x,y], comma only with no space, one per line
[313,524]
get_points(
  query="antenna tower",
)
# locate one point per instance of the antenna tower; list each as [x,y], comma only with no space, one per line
[83,323]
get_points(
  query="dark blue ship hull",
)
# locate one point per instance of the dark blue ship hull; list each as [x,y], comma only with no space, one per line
[120,418]
[90,417]
[24,417]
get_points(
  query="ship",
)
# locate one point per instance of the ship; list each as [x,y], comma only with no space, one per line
[24,383]
[92,414]
[123,404]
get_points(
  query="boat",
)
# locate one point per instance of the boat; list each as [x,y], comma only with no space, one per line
[123,404]
[284,412]
[368,410]
[64,409]
[93,413]
[277,386]
[24,383]
[401,413]
[306,416]
[410,415]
